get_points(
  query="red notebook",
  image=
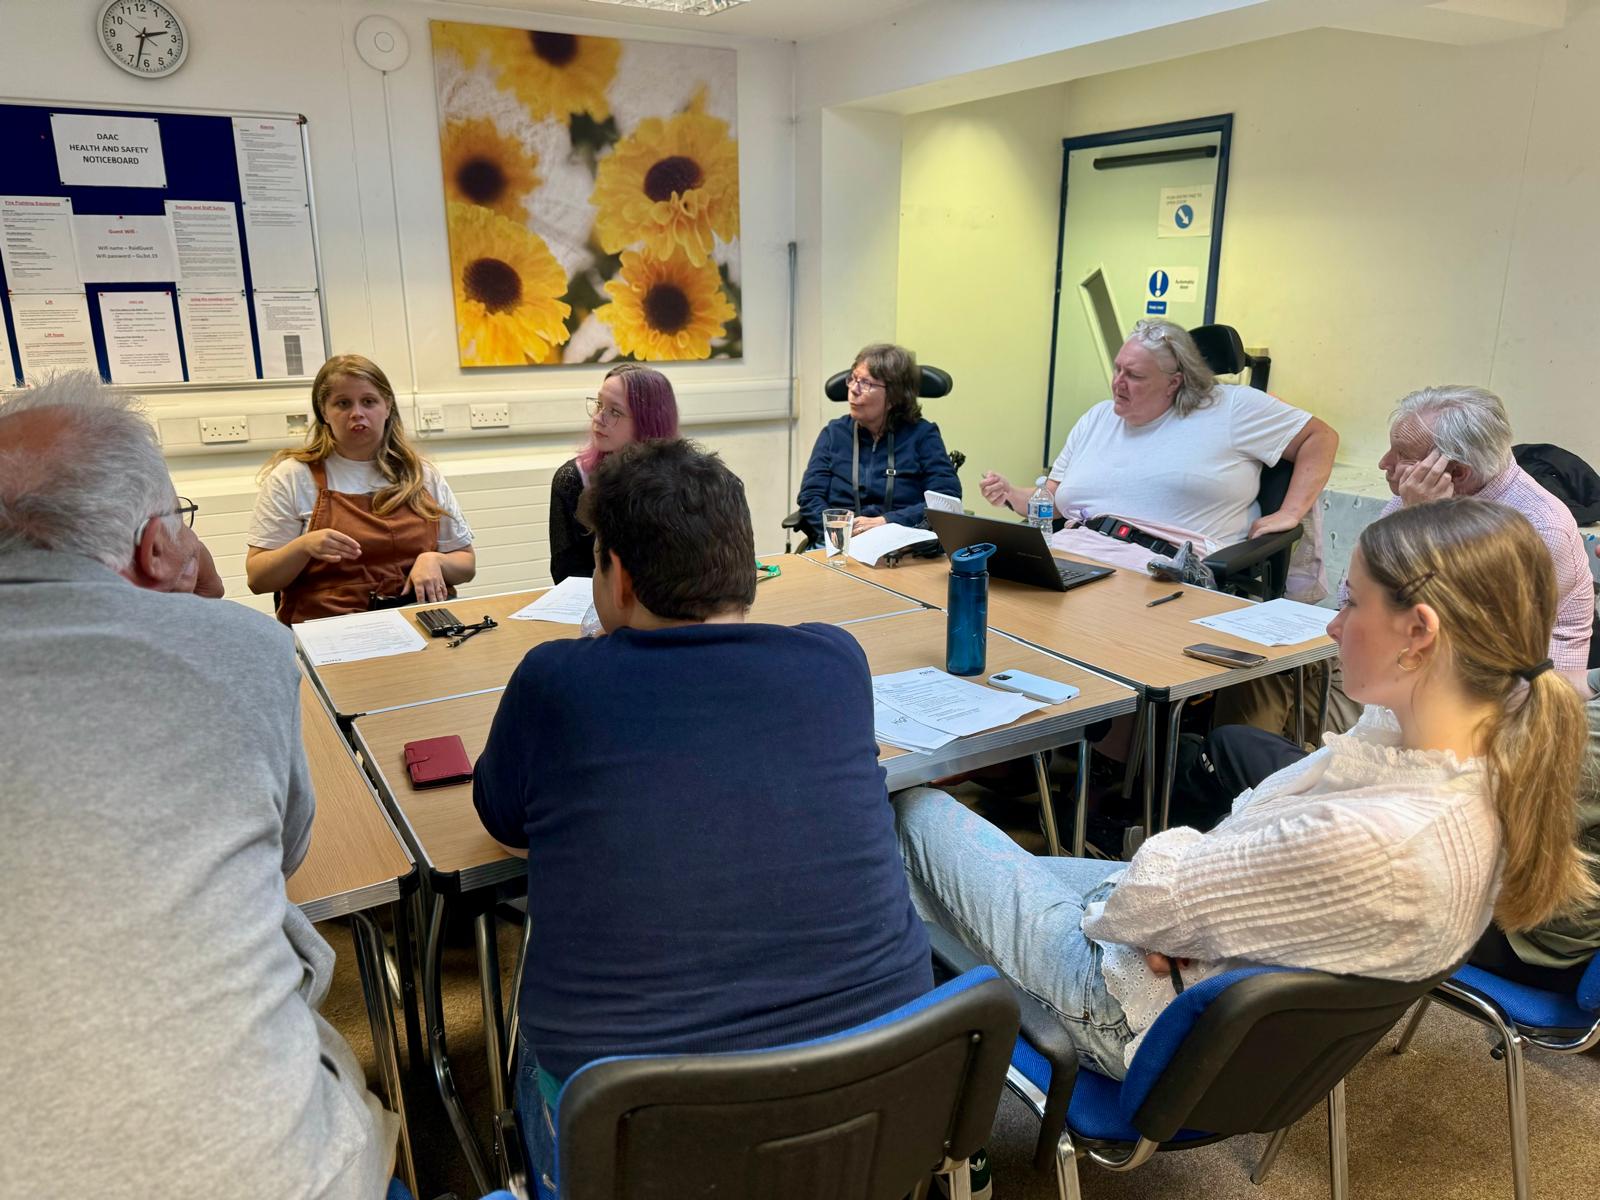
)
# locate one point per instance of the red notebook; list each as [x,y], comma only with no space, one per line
[434,762]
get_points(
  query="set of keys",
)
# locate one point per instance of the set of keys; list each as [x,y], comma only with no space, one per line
[441,622]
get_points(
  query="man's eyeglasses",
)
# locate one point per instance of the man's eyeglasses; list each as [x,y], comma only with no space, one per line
[608,414]
[186,510]
[857,384]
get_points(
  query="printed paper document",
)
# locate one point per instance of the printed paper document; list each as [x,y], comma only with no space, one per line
[954,706]
[896,729]
[53,333]
[36,244]
[141,337]
[565,604]
[358,636]
[867,548]
[1275,623]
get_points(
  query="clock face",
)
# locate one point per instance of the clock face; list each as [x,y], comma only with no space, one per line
[143,37]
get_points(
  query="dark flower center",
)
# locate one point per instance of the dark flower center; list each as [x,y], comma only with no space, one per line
[493,284]
[676,174]
[666,308]
[557,49]
[481,180]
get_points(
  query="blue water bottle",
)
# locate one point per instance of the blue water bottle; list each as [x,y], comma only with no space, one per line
[966,639]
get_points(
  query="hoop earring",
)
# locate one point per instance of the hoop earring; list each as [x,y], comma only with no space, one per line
[1400,661]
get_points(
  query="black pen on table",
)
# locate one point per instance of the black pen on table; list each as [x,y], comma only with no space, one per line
[1163,599]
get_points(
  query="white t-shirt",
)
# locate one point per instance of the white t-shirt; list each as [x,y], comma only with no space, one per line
[1199,472]
[284,504]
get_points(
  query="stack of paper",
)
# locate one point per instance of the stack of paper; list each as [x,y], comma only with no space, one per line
[942,502]
[564,604]
[1275,623]
[358,636]
[924,708]
[867,548]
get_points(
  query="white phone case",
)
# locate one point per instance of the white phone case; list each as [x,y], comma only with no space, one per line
[1035,687]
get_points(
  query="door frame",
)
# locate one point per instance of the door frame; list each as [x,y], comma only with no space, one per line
[1221,124]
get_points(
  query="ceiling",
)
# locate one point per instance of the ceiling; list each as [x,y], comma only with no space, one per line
[783,20]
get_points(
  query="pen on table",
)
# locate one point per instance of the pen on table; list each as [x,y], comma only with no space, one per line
[1163,599]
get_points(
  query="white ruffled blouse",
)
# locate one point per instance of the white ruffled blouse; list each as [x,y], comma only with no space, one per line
[1362,858]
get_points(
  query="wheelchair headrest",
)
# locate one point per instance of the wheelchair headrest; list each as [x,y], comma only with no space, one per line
[1221,347]
[935,383]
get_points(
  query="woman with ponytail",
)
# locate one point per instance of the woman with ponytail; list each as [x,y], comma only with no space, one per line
[1383,854]
[355,513]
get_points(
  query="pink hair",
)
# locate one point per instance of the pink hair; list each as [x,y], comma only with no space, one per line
[650,401]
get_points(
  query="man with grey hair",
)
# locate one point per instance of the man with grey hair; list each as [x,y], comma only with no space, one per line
[161,1006]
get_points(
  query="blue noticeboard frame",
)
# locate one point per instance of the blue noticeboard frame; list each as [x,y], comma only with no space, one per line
[198,150]
[1222,125]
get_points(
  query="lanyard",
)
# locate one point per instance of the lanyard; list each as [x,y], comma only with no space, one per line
[855,469]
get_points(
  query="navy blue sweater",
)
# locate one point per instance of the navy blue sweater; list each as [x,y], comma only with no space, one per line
[921,464]
[712,861]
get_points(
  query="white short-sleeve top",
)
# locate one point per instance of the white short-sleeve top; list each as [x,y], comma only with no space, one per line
[289,493]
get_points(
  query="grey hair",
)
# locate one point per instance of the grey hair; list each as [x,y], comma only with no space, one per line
[1469,425]
[94,486]
[1177,354]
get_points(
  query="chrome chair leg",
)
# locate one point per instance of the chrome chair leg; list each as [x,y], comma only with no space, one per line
[1269,1156]
[433,954]
[378,991]
[513,1024]
[1410,1030]
[1080,816]
[1338,1160]
[1517,1100]
[1047,806]
[1067,1168]
[485,934]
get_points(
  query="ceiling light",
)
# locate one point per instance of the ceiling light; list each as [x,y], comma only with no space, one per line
[698,8]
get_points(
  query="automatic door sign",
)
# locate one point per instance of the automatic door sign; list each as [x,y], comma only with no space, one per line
[1170,285]
[1185,212]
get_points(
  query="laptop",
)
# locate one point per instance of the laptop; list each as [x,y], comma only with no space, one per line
[1021,552]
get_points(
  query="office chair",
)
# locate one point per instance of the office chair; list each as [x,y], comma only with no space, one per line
[1519,1015]
[867,1114]
[934,385]
[1249,1051]
[399,1191]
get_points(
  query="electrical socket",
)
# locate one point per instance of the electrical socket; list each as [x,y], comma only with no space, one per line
[224,429]
[295,424]
[490,416]
[430,418]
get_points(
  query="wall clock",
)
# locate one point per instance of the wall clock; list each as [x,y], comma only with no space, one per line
[143,37]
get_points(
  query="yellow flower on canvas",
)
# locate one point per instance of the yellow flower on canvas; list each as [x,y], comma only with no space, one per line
[557,74]
[481,167]
[507,290]
[661,311]
[672,184]
[470,42]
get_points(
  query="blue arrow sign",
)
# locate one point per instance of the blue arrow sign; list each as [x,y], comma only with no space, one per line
[1184,216]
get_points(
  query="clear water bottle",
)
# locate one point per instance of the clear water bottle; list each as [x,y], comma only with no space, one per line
[966,639]
[1041,506]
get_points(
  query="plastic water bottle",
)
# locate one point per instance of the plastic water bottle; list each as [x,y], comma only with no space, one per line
[966,639]
[1041,506]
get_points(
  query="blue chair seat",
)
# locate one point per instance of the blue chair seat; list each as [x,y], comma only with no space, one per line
[1527,1005]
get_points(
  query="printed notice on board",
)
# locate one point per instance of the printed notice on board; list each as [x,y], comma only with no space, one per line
[36,244]
[53,333]
[216,336]
[1185,211]
[206,236]
[282,258]
[103,151]
[272,166]
[123,249]
[289,325]
[141,337]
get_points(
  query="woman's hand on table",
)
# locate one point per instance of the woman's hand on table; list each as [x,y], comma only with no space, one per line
[862,524]
[426,580]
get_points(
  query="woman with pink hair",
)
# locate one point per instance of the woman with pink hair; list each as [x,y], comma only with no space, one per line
[635,404]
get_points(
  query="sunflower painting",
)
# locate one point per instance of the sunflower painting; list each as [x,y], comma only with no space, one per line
[592,196]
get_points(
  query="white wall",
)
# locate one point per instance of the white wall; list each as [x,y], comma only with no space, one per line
[283,55]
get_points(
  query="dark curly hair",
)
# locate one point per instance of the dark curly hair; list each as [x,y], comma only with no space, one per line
[896,368]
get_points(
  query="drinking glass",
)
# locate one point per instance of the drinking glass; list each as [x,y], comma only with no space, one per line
[836,523]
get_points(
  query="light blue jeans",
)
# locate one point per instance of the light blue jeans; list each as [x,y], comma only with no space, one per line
[536,1119]
[1020,912]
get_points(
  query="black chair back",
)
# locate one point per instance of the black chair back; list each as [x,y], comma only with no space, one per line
[865,1116]
[1271,1047]
[1223,349]
[935,383]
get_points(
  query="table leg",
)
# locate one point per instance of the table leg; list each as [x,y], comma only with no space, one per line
[1047,806]
[1080,818]
[433,1002]
[494,1021]
[513,1024]
[1140,718]
[1149,750]
[1169,767]
[368,940]
[407,917]
[1300,706]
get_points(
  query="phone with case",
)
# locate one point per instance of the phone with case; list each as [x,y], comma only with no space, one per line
[1224,656]
[1035,687]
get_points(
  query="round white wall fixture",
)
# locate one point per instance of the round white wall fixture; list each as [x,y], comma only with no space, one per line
[382,44]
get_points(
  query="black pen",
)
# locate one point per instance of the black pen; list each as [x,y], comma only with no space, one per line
[1163,599]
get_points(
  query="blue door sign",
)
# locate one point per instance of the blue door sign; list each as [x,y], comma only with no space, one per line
[1159,282]
[1155,308]
[1184,216]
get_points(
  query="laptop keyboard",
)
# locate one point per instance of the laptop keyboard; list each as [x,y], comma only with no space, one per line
[1072,572]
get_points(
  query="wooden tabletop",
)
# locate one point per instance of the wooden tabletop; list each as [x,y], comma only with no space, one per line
[355,859]
[1107,625]
[445,829]
[804,591]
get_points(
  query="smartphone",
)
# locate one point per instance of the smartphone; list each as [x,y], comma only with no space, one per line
[1224,656]
[1035,687]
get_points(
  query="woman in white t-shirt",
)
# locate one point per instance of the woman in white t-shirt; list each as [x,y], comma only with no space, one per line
[1175,448]
[355,513]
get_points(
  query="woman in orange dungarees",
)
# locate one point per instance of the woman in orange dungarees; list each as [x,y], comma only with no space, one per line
[355,512]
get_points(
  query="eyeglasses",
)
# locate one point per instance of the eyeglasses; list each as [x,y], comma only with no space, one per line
[608,414]
[186,510]
[857,384]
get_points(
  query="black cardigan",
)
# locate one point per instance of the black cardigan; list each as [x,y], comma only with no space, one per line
[571,545]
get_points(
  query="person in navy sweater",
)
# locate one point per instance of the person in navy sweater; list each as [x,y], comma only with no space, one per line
[694,884]
[879,458]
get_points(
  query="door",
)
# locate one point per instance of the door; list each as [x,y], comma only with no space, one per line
[1141,234]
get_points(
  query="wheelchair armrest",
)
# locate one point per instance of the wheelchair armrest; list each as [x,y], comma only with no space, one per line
[1241,556]
[792,521]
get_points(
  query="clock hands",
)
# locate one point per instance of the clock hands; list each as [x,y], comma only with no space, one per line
[144,35]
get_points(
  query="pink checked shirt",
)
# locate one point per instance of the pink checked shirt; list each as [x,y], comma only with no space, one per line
[1552,521]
